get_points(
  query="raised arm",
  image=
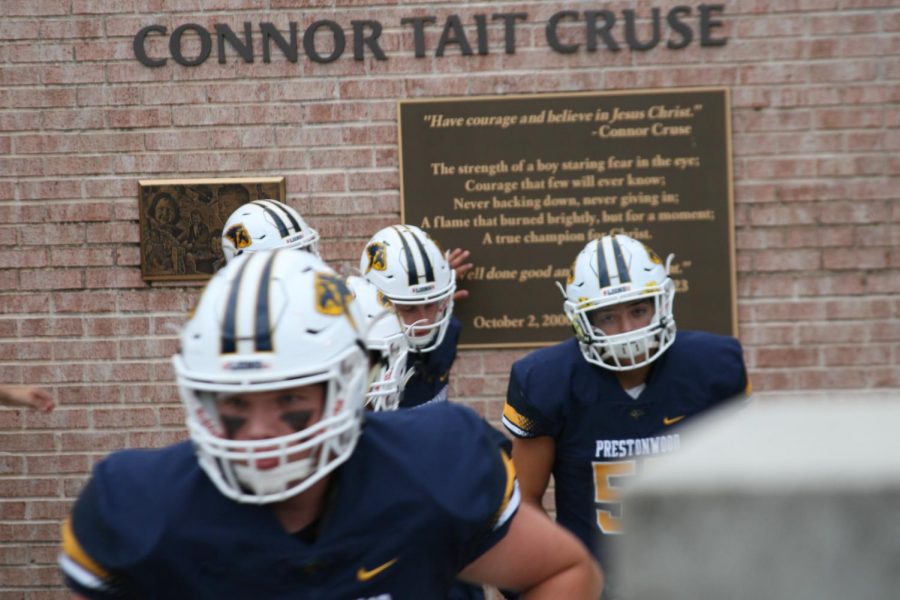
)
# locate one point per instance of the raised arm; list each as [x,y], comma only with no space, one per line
[538,558]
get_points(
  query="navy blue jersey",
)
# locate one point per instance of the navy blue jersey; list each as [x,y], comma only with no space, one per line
[431,377]
[602,434]
[424,493]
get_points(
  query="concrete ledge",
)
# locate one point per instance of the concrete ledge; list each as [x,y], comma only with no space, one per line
[796,497]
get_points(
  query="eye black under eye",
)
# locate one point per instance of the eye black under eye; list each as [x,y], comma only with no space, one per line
[297,419]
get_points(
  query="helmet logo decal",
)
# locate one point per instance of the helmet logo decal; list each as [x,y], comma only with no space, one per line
[332,296]
[377,257]
[383,300]
[239,236]
[653,256]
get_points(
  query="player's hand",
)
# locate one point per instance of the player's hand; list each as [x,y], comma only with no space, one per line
[457,259]
[29,396]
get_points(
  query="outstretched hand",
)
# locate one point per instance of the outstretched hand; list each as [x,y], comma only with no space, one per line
[27,396]
[457,259]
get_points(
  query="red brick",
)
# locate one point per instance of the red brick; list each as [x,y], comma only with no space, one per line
[113,232]
[23,488]
[155,439]
[52,373]
[128,418]
[90,302]
[85,118]
[89,441]
[30,532]
[74,257]
[18,351]
[18,259]
[90,394]
[872,258]
[113,277]
[56,327]
[118,326]
[84,350]
[51,279]
[18,29]
[119,371]
[71,28]
[139,117]
[148,348]
[57,463]
[862,355]
[37,7]
[860,309]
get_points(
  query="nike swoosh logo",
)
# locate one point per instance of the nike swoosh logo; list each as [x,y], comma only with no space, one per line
[365,575]
[667,421]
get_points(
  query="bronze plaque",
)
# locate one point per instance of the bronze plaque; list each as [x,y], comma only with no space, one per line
[524,182]
[181,222]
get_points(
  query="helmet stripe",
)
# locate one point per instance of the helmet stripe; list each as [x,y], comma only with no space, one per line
[229,326]
[279,222]
[429,270]
[410,261]
[263,318]
[624,274]
[287,212]
[602,271]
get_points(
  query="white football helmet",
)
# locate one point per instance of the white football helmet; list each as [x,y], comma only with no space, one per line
[386,344]
[271,321]
[410,269]
[613,270]
[266,225]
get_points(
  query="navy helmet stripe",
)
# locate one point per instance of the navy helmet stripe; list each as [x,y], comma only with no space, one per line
[429,270]
[263,318]
[279,222]
[287,212]
[410,261]
[624,275]
[229,326]
[601,266]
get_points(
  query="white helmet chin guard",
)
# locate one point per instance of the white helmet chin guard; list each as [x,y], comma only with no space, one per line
[410,269]
[386,343]
[272,321]
[267,225]
[614,270]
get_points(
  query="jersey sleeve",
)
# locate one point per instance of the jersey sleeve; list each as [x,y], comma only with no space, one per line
[527,413]
[113,525]
[82,571]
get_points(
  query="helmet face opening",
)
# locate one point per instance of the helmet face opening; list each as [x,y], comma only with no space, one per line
[613,271]
[267,225]
[273,321]
[411,271]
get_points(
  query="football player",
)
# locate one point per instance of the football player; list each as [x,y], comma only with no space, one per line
[590,409]
[420,281]
[284,492]
[266,225]
[387,345]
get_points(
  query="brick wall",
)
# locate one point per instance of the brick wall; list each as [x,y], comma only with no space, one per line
[816,107]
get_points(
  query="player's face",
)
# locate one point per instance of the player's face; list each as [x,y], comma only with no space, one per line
[266,415]
[625,317]
[420,314]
